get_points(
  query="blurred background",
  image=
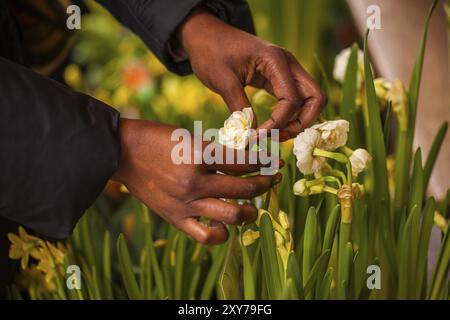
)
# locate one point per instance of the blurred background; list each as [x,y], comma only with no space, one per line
[110,63]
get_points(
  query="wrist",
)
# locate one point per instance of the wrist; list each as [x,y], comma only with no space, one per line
[198,21]
[126,141]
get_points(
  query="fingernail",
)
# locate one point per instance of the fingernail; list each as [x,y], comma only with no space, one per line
[284,135]
[215,224]
[278,178]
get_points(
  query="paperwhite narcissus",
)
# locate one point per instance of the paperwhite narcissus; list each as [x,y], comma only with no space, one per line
[359,160]
[340,66]
[333,134]
[249,237]
[300,188]
[236,131]
[304,145]
[284,219]
[382,88]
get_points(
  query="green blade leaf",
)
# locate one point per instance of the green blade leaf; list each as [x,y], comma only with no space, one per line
[422,258]
[148,240]
[433,154]
[270,258]
[293,272]
[107,266]
[249,279]
[231,276]
[317,269]
[416,196]
[310,243]
[349,91]
[126,269]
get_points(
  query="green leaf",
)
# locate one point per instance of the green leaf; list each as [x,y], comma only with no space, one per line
[231,276]
[272,272]
[290,290]
[249,278]
[310,242]
[422,257]
[126,269]
[317,269]
[387,126]
[404,254]
[349,91]
[325,286]
[345,271]
[145,277]
[375,138]
[330,229]
[107,266]
[179,266]
[214,271]
[293,272]
[417,183]
[414,84]
[149,246]
[441,270]
[433,154]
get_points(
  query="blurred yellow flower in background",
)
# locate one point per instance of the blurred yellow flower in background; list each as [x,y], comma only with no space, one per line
[73,76]
[22,246]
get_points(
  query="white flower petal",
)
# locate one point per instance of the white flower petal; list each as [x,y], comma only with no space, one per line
[360,160]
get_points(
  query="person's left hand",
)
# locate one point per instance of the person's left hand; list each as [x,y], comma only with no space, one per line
[227,59]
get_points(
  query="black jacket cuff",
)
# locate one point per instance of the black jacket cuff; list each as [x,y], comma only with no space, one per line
[156,21]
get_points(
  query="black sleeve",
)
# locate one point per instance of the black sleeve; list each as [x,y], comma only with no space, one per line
[57,150]
[156,20]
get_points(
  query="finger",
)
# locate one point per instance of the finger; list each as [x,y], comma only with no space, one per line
[239,162]
[233,93]
[223,211]
[274,67]
[215,233]
[222,186]
[314,98]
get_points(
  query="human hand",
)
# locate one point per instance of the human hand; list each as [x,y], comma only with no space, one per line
[227,59]
[182,193]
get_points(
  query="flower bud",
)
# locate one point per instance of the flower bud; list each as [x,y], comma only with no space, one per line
[284,220]
[399,98]
[249,237]
[279,239]
[440,221]
[382,87]
[300,188]
[360,160]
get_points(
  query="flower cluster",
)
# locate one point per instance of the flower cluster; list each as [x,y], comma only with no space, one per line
[48,256]
[318,144]
[282,232]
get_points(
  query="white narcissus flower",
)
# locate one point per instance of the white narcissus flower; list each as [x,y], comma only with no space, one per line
[341,62]
[382,88]
[300,188]
[284,219]
[360,160]
[333,134]
[304,145]
[236,131]
[249,237]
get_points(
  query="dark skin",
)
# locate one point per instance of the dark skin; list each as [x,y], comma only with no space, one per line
[183,193]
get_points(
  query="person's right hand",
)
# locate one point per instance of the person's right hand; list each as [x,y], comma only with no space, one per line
[183,193]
